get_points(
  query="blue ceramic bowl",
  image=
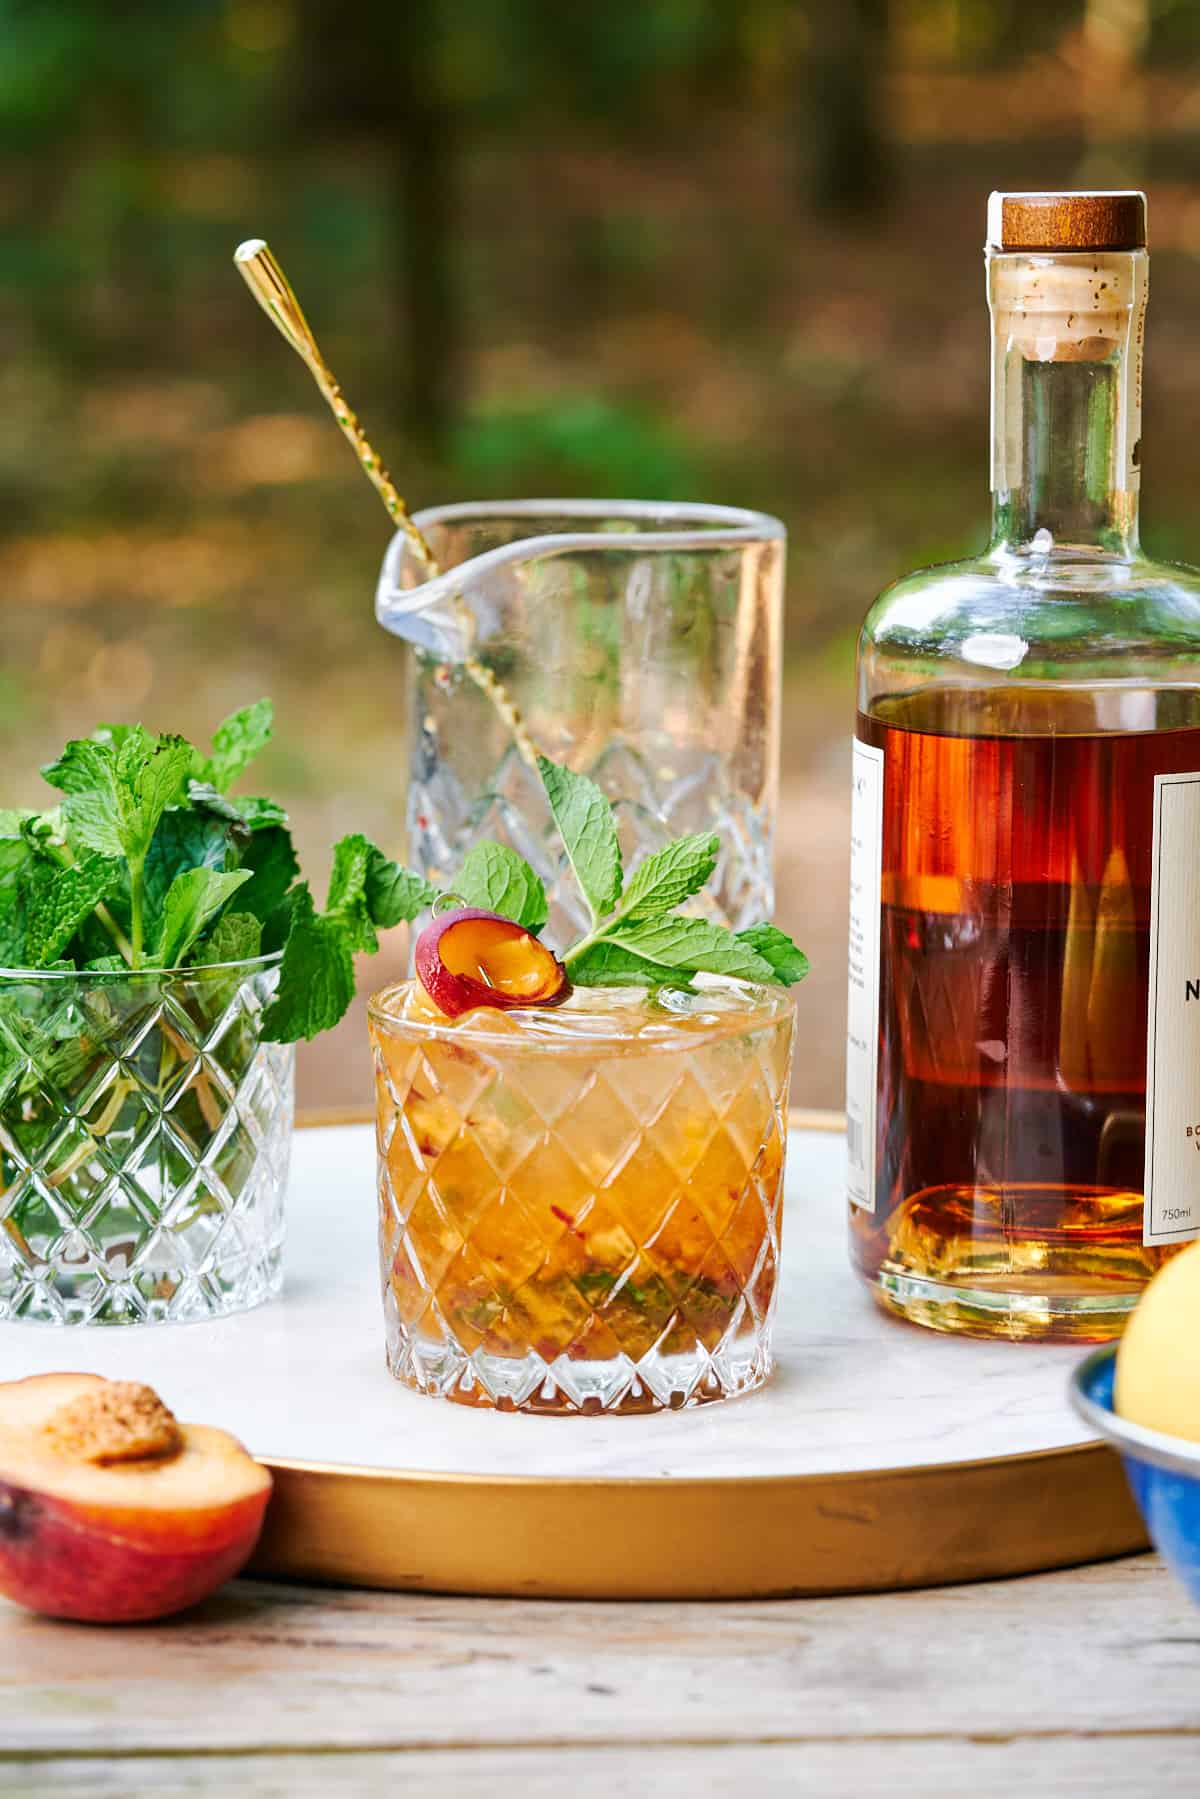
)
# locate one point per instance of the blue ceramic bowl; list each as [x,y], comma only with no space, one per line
[1164,1472]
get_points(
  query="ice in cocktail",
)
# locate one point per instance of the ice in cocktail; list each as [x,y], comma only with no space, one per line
[580,1207]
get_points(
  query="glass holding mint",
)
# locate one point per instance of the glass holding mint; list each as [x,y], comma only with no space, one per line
[581,1159]
[159,956]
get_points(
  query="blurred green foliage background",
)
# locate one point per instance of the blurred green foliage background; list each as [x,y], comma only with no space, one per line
[668,248]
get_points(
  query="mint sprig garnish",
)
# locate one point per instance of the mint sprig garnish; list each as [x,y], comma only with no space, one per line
[151,863]
[638,938]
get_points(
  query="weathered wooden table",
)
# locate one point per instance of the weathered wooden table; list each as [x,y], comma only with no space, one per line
[1086,1681]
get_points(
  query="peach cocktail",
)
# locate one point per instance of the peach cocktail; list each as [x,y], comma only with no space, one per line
[580,1207]
[581,1159]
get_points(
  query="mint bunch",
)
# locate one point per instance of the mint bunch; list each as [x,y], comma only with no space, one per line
[149,862]
[638,938]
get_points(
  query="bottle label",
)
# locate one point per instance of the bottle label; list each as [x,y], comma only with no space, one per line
[862,1019]
[1173,1039]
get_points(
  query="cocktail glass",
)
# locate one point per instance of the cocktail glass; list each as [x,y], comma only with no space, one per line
[580,1209]
[635,642]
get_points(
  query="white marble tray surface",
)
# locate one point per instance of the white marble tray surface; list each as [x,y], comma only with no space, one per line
[304,1379]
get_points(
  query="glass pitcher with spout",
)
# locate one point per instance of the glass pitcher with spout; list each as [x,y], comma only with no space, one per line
[638,643]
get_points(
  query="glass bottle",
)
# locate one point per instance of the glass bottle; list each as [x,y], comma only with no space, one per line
[1023,1058]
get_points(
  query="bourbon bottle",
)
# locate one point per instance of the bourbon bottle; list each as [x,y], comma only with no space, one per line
[1023,1058]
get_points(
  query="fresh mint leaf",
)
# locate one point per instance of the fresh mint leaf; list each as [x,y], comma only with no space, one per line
[607,964]
[85,764]
[347,900]
[691,946]
[788,964]
[276,926]
[236,937]
[117,791]
[366,889]
[394,895]
[193,900]
[237,740]
[150,777]
[271,859]
[59,899]
[348,877]
[316,979]
[184,839]
[671,875]
[107,965]
[496,879]
[589,833]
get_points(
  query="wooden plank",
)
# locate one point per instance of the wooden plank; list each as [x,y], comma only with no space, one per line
[878,1769]
[1115,1648]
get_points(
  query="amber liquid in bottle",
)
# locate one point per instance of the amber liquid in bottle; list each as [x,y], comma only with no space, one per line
[1013,998]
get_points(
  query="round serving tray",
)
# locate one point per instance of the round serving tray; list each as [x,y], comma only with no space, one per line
[880,1455]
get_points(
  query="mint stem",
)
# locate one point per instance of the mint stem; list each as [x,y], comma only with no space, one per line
[105,918]
[603,928]
[136,895]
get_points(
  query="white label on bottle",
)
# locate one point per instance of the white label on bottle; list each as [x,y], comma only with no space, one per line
[1173,1038]
[862,1019]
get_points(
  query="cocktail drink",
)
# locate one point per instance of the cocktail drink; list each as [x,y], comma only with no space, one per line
[580,1206]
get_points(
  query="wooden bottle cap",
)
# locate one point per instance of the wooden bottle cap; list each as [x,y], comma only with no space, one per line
[1096,221]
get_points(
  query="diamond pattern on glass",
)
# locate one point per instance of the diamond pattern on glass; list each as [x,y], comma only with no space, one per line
[581,1231]
[145,1131]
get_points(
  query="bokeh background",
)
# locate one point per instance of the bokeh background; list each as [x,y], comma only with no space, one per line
[711,249]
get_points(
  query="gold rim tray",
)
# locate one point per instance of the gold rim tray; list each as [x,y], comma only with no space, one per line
[716,1534]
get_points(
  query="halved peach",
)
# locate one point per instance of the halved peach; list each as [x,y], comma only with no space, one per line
[110,1510]
[468,958]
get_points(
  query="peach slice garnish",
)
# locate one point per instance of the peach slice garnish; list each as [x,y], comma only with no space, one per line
[110,1510]
[468,958]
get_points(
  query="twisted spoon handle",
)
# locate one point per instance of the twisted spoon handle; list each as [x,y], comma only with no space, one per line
[271,288]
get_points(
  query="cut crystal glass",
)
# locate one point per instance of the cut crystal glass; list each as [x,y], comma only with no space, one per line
[579,1218]
[145,1130]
